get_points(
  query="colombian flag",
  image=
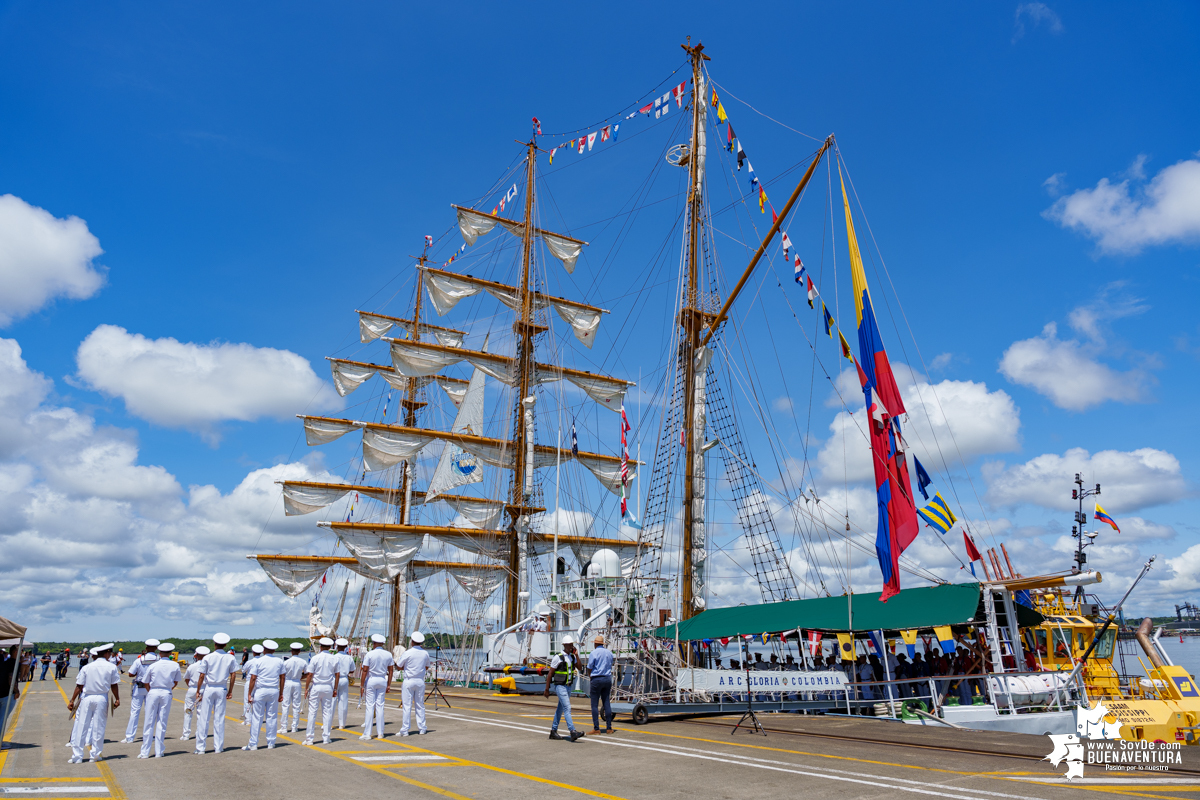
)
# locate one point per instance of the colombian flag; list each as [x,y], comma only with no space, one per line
[1103,516]
[898,523]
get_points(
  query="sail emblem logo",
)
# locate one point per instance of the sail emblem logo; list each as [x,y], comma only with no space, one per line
[464,463]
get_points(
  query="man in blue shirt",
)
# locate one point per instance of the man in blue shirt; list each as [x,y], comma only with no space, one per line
[600,666]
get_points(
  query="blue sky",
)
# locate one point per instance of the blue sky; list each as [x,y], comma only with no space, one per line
[253,176]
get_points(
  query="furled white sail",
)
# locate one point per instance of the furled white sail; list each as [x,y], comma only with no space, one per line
[482,514]
[564,250]
[383,554]
[292,577]
[583,321]
[608,392]
[455,390]
[484,545]
[607,472]
[323,431]
[373,326]
[445,291]
[386,448]
[300,499]
[479,586]
[384,494]
[473,225]
[348,376]
[414,361]
[456,467]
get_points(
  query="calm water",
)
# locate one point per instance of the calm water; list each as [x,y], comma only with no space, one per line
[1186,655]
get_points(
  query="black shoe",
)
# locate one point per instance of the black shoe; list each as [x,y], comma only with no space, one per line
[576,735]
[554,735]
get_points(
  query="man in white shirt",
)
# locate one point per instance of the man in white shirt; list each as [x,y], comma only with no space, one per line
[191,702]
[257,650]
[374,683]
[322,678]
[162,676]
[218,674]
[137,693]
[293,688]
[94,682]
[266,693]
[346,669]
[414,663]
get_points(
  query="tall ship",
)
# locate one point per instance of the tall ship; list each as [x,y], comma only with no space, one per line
[494,488]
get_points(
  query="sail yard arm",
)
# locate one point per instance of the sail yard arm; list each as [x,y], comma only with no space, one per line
[473,224]
[762,248]
[371,326]
[348,375]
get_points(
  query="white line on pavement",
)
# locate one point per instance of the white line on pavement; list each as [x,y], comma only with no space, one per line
[405,757]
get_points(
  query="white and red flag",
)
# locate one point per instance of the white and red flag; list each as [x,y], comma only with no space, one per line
[625,429]
[787,245]
[814,643]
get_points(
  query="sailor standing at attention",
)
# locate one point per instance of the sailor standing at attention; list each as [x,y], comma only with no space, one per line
[191,702]
[137,694]
[375,682]
[562,674]
[322,678]
[94,682]
[346,667]
[162,676]
[218,674]
[293,689]
[257,650]
[414,663]
[266,693]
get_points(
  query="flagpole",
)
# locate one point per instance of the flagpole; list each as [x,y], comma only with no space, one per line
[554,565]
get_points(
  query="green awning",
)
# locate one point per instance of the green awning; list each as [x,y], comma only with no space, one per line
[949,604]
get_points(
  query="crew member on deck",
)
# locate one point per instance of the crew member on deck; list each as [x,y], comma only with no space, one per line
[293,687]
[345,668]
[191,700]
[322,678]
[218,674]
[266,693]
[161,677]
[374,682]
[137,693]
[255,652]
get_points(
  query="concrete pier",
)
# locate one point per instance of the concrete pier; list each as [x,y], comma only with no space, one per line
[496,747]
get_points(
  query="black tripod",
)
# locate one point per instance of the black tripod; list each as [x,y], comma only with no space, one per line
[749,720]
[435,691]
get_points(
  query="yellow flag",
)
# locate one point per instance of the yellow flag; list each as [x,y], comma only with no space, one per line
[846,646]
[909,636]
[943,633]
[845,347]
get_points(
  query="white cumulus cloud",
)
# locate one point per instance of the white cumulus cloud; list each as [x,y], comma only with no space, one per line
[1128,216]
[946,420]
[1129,480]
[186,385]
[43,257]
[1068,373]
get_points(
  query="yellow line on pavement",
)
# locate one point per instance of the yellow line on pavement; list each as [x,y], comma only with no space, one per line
[12,729]
[51,780]
[114,788]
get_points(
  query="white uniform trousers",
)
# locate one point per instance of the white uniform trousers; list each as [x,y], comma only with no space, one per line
[413,693]
[157,709]
[293,693]
[91,717]
[212,707]
[245,718]
[191,705]
[320,694]
[264,708]
[137,699]
[375,689]
[343,702]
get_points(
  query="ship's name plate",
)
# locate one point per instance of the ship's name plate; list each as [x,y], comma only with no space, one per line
[727,680]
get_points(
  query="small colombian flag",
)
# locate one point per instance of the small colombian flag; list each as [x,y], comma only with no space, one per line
[1103,516]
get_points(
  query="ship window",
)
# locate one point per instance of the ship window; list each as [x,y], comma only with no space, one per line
[1062,647]
[1040,635]
[1105,648]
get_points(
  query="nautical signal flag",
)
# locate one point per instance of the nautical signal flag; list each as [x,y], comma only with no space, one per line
[1104,517]
[722,117]
[428,240]
[812,292]
[910,641]
[787,245]
[537,126]
[922,478]
[846,352]
[814,643]
[828,321]
[846,646]
[938,514]
[799,271]
[762,200]
[574,440]
[730,139]
[945,638]
[973,553]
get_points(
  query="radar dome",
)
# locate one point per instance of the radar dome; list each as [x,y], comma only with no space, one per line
[604,564]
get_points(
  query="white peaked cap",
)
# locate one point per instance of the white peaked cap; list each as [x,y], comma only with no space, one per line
[270,644]
[202,650]
[221,639]
[94,651]
[326,641]
[258,648]
[149,658]
[342,642]
[378,638]
[418,637]
[568,640]
[296,646]
[166,647]
[152,643]
[103,647]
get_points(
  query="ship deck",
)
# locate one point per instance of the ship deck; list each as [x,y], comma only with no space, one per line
[496,747]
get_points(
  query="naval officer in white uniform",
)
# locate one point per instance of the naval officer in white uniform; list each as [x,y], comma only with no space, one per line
[162,676]
[137,693]
[414,663]
[191,703]
[218,674]
[346,668]
[322,678]
[293,686]
[374,683]
[257,650]
[266,693]
[94,682]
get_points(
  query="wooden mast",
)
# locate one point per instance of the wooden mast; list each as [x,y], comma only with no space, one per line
[691,319]
[525,329]
[396,611]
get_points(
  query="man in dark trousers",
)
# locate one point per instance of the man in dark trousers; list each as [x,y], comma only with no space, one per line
[600,666]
